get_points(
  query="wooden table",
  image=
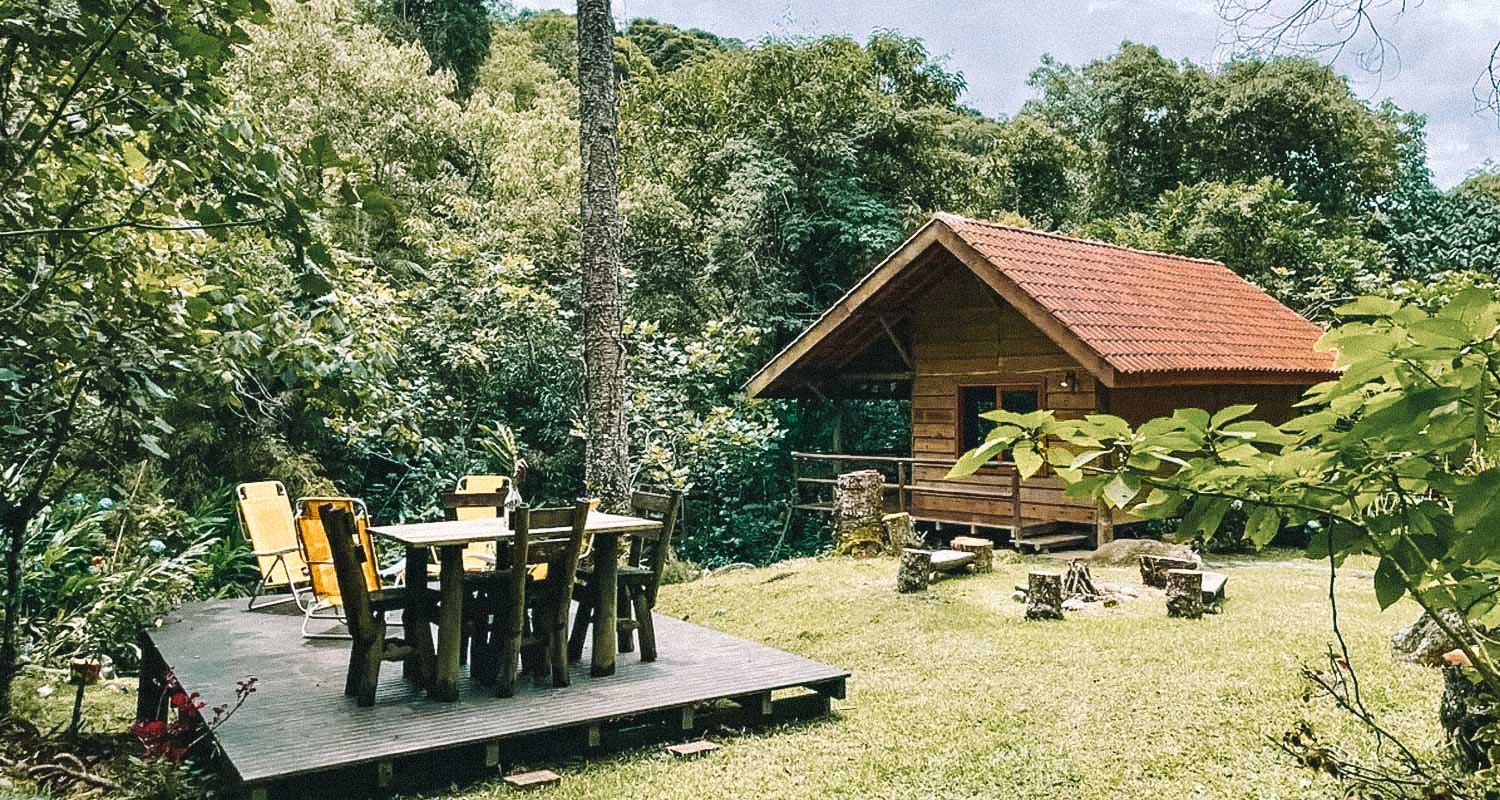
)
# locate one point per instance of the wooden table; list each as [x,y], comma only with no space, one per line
[451,537]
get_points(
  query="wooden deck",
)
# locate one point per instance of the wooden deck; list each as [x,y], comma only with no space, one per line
[298,724]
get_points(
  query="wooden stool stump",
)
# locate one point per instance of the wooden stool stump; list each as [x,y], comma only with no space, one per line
[1044,595]
[1184,593]
[858,508]
[913,570]
[899,533]
[983,550]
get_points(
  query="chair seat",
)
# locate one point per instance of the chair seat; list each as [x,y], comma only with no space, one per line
[400,597]
[626,573]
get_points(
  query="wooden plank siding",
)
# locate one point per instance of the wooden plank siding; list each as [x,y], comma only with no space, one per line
[963,334]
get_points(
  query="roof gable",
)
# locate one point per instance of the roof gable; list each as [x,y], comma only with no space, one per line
[1130,317]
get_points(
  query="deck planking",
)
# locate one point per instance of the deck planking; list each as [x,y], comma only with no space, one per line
[299,723]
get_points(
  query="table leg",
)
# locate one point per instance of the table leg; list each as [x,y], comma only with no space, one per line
[416,621]
[606,623]
[450,622]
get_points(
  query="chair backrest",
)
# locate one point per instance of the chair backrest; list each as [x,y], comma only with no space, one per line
[265,513]
[349,563]
[562,543]
[480,484]
[317,552]
[652,553]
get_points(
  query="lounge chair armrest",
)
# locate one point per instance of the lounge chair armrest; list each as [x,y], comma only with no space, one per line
[278,552]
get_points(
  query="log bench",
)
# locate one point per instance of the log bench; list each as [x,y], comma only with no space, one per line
[916,568]
[951,561]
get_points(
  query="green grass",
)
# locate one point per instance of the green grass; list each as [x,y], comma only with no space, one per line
[953,694]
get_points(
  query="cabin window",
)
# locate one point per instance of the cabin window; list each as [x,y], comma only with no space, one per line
[976,400]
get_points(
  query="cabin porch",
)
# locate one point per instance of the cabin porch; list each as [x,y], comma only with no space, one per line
[995,502]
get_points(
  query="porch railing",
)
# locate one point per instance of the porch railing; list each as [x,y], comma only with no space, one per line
[814,492]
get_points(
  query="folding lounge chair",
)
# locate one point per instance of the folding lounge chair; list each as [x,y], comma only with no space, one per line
[480,557]
[326,602]
[265,513]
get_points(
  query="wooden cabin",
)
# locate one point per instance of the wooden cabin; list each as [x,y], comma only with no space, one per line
[969,316]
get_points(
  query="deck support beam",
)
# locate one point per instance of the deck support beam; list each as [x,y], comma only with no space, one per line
[834,689]
[595,735]
[385,773]
[492,755]
[759,703]
[685,721]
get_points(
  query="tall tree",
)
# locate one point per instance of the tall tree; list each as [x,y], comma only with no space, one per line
[456,34]
[115,154]
[606,451]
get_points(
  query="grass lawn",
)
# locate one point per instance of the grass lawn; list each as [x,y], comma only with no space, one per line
[953,694]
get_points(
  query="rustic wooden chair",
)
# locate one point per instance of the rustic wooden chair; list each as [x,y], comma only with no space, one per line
[498,616]
[327,601]
[638,581]
[265,513]
[365,610]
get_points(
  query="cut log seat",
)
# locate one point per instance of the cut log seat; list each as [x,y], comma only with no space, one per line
[950,560]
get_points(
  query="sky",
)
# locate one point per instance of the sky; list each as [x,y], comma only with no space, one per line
[1439,47]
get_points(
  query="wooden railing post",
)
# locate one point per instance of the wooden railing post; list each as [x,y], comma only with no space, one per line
[901,486]
[1015,501]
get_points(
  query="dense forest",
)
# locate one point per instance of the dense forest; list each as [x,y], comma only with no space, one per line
[334,243]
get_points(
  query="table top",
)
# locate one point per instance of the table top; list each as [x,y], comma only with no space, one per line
[487,529]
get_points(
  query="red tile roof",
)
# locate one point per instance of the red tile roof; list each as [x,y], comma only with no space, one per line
[1145,312]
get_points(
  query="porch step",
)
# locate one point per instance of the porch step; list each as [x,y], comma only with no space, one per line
[1051,541]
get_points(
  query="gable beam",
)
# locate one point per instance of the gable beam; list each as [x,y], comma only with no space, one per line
[896,342]
[841,311]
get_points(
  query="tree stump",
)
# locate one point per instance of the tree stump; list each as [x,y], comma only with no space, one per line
[983,550]
[1464,713]
[913,570]
[1184,593]
[1044,595]
[1154,569]
[899,533]
[858,506]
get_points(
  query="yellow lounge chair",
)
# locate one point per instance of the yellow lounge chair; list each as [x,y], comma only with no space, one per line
[265,513]
[327,603]
[480,557]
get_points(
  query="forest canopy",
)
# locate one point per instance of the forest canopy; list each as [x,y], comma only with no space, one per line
[351,232]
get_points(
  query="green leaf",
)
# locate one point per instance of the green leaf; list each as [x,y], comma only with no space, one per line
[1230,414]
[1476,503]
[1122,489]
[1203,517]
[1027,459]
[1262,526]
[970,462]
[153,446]
[1388,584]
[1368,306]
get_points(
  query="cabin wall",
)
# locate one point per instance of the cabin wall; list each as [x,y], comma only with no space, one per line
[964,334]
[1136,405]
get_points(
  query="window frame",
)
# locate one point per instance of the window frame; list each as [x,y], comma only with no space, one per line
[1000,387]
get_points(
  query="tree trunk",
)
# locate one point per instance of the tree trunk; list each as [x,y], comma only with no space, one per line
[607,449]
[13,533]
